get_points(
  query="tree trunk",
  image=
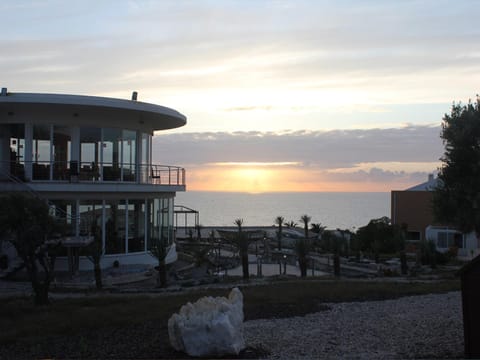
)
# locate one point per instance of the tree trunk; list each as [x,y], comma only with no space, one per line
[246,274]
[303,267]
[403,262]
[162,274]
[336,265]
[39,287]
[98,275]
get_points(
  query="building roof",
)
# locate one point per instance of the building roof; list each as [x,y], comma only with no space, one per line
[429,185]
[88,110]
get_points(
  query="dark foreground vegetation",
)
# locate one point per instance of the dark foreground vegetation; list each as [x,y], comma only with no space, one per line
[135,326]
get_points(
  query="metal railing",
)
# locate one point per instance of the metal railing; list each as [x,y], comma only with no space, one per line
[74,171]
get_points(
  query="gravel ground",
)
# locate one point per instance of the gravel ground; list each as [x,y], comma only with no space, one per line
[427,326]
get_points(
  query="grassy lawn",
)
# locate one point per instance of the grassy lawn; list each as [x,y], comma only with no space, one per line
[110,326]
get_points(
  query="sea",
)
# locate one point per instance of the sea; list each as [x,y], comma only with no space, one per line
[335,210]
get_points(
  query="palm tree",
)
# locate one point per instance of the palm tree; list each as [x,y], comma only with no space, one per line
[317,228]
[291,224]
[242,244]
[239,223]
[279,220]
[305,219]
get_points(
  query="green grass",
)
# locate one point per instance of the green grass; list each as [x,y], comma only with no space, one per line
[19,319]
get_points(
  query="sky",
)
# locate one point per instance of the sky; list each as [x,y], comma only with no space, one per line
[279,95]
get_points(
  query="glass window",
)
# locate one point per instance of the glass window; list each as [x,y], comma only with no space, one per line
[161,221]
[17,149]
[64,212]
[145,158]
[445,239]
[61,151]
[413,235]
[136,225]
[90,216]
[115,230]
[129,141]
[41,152]
[90,140]
[111,149]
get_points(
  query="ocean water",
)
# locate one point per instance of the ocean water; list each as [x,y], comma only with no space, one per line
[334,210]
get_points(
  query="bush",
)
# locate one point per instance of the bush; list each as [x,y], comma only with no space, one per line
[3,262]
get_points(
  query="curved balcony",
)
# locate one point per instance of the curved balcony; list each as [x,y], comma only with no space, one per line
[82,172]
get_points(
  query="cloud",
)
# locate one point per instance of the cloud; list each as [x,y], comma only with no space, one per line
[174,46]
[325,150]
[359,160]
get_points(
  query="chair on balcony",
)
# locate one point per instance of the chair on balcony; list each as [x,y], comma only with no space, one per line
[155,174]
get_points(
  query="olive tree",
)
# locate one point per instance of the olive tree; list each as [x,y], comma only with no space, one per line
[27,223]
[456,199]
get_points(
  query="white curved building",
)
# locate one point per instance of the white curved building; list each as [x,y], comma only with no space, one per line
[91,158]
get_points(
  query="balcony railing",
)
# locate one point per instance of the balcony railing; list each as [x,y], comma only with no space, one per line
[74,171]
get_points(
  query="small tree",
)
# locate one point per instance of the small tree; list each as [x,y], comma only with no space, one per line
[456,199]
[159,250]
[95,253]
[279,220]
[26,219]
[242,244]
[199,228]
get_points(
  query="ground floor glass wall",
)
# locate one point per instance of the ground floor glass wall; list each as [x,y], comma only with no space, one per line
[126,226]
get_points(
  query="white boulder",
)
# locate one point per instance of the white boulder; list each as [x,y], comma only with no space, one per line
[209,327]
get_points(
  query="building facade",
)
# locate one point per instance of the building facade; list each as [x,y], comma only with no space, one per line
[412,209]
[91,159]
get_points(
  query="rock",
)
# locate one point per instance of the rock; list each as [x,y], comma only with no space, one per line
[209,327]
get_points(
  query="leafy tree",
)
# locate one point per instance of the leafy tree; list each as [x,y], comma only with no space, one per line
[95,253]
[279,220]
[27,221]
[380,236]
[456,199]
[306,220]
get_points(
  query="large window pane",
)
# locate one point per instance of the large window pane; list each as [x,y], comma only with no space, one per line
[115,235]
[41,152]
[16,134]
[90,140]
[144,158]
[136,225]
[129,154]
[111,154]
[90,216]
[61,151]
